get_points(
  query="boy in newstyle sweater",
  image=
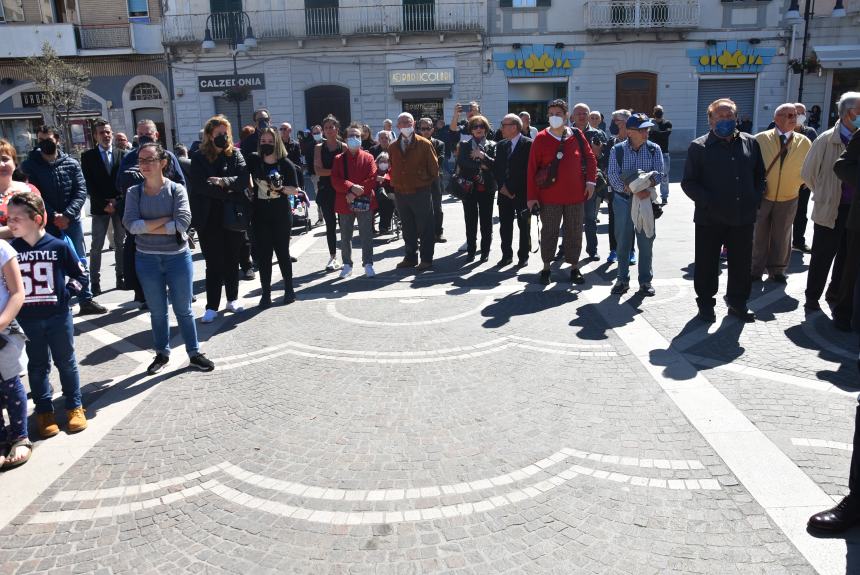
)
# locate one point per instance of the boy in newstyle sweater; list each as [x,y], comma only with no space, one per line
[45,263]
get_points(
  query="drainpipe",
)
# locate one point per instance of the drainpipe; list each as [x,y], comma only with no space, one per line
[789,73]
[169,137]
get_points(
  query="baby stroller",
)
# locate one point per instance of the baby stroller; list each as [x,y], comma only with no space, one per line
[301,211]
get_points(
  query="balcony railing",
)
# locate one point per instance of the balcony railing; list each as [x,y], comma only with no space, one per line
[103,36]
[641,14]
[344,21]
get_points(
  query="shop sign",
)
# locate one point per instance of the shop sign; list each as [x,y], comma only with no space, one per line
[731,57]
[33,99]
[538,61]
[222,83]
[421,77]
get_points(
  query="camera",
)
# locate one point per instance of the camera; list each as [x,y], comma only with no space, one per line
[535,211]
[276,180]
[466,108]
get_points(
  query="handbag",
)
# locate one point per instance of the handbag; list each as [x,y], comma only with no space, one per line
[237,214]
[546,175]
[359,203]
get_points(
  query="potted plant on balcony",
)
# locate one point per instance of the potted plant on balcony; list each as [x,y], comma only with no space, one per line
[811,65]
[237,93]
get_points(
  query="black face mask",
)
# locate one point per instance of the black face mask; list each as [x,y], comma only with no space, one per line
[48,147]
[613,129]
[144,140]
[267,149]
[220,141]
[658,114]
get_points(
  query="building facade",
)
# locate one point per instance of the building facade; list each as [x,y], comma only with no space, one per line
[315,57]
[117,43]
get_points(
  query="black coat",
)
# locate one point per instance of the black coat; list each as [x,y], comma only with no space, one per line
[469,168]
[101,184]
[847,169]
[511,170]
[205,197]
[61,184]
[725,179]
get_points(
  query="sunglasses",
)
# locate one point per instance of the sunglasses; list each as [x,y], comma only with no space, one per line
[144,161]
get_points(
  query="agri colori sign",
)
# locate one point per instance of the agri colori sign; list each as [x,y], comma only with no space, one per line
[222,83]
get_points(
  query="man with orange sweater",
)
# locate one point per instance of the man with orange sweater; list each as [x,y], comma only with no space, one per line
[563,160]
[413,168]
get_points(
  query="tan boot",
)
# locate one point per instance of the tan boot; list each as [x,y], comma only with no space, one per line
[77,419]
[47,425]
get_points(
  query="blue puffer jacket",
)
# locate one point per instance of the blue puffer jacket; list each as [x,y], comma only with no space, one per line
[60,182]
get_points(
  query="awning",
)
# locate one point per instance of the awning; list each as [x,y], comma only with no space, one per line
[845,56]
[432,91]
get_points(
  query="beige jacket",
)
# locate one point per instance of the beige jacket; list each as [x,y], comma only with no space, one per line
[817,172]
[783,181]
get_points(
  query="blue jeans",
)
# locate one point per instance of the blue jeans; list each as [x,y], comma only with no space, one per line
[157,273]
[14,399]
[591,226]
[75,231]
[664,185]
[52,338]
[624,236]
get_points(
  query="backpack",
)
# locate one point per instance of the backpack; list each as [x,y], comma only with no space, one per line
[619,152]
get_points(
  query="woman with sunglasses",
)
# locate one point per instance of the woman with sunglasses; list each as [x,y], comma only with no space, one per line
[475,159]
[324,155]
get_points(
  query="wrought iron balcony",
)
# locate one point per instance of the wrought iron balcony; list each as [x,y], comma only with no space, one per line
[641,14]
[322,22]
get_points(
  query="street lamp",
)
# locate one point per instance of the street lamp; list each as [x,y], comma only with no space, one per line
[793,15]
[234,23]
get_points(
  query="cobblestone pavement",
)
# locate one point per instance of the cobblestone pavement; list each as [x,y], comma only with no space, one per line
[463,420]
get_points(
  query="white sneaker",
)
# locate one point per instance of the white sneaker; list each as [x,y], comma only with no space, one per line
[464,247]
[209,316]
[346,271]
[332,265]
[235,306]
[369,271]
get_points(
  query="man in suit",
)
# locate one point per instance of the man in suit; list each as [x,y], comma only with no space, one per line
[425,129]
[100,166]
[511,170]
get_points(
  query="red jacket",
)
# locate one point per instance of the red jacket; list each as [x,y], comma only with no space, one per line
[569,187]
[361,169]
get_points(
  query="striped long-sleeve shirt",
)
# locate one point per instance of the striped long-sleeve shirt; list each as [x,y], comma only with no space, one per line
[649,158]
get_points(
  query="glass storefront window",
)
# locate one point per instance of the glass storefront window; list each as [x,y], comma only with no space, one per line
[21,134]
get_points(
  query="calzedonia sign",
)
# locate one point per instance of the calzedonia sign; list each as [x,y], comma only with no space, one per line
[221,83]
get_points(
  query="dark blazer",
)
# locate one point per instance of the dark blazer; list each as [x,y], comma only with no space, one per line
[511,170]
[469,168]
[101,184]
[847,169]
[208,198]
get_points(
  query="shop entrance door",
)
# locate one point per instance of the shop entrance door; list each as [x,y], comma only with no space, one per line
[320,101]
[636,91]
[843,81]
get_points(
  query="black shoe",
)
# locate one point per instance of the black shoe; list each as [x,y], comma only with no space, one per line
[505,261]
[845,515]
[120,283]
[593,257]
[802,248]
[265,301]
[96,289]
[647,290]
[706,315]
[289,298]
[544,277]
[522,262]
[744,315]
[91,307]
[294,259]
[576,276]
[157,364]
[201,362]
[485,258]
[470,256]
[779,278]
[620,287]
[143,306]
[665,201]
[248,274]
[812,305]
[440,239]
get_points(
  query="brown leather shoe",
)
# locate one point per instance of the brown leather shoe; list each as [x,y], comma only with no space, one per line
[423,266]
[406,264]
[77,419]
[47,424]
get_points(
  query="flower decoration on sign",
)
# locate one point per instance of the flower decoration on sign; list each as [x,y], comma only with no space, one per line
[237,93]
[811,65]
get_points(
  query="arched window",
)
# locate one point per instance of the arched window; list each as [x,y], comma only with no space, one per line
[145,91]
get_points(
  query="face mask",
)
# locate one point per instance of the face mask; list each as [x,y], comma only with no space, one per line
[262,123]
[267,149]
[383,166]
[318,138]
[220,141]
[353,143]
[407,132]
[556,122]
[613,129]
[144,140]
[801,119]
[658,114]
[856,122]
[725,128]
[48,147]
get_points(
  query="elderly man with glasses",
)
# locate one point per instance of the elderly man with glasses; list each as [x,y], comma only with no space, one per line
[425,129]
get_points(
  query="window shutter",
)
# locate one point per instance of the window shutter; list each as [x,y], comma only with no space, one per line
[506,3]
[544,3]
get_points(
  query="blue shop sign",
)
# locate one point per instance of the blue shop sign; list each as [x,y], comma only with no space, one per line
[538,61]
[731,57]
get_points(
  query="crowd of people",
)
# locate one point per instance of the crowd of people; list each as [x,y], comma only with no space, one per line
[239,199]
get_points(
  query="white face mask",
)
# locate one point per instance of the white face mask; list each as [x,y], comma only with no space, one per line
[383,166]
[801,120]
[318,137]
[407,132]
[556,122]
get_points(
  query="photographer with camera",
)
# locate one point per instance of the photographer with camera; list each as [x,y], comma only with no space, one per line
[275,178]
[353,176]
[561,177]
[511,169]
